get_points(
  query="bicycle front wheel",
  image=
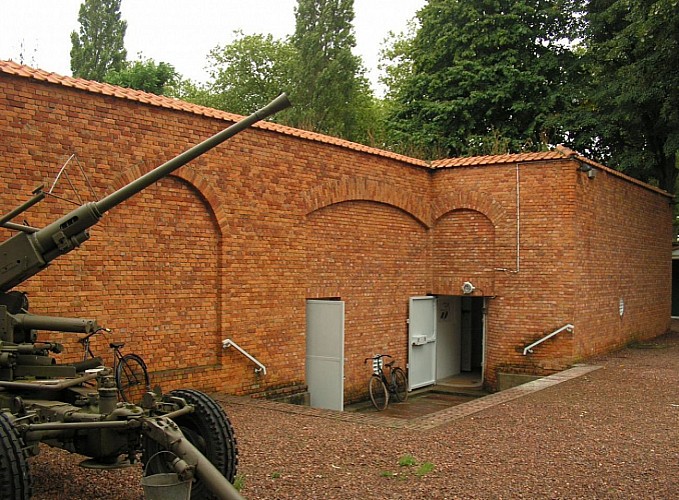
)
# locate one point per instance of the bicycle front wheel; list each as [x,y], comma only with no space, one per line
[132,378]
[379,395]
[400,384]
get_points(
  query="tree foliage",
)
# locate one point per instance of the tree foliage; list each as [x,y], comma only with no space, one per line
[628,114]
[482,76]
[146,75]
[99,46]
[248,73]
[315,67]
[331,93]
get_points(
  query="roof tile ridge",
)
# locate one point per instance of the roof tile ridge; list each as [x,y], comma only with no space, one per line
[13,68]
[494,159]
[617,173]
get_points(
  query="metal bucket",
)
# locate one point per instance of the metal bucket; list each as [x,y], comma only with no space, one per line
[166,485]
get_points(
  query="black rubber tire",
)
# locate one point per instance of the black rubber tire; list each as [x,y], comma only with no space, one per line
[15,477]
[379,395]
[208,429]
[400,384]
[132,378]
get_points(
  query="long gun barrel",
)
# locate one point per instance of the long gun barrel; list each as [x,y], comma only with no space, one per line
[26,253]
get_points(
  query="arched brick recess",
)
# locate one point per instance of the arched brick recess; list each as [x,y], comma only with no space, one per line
[464,249]
[362,189]
[187,174]
[470,200]
[178,261]
[373,256]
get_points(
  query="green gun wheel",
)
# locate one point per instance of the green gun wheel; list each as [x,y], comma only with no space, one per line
[208,429]
[15,477]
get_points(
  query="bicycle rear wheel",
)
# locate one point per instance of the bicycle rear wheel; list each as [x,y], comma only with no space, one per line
[400,384]
[132,378]
[379,395]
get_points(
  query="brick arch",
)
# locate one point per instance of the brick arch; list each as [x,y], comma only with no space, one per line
[187,174]
[469,200]
[464,248]
[362,189]
[176,268]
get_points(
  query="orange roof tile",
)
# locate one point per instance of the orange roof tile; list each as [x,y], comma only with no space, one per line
[16,69]
[561,152]
[497,159]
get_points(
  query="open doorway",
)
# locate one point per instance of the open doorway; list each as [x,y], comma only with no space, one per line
[460,331]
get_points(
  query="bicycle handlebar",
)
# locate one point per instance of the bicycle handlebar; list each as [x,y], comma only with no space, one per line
[101,329]
[376,357]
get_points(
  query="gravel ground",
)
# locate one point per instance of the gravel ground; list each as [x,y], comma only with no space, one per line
[612,433]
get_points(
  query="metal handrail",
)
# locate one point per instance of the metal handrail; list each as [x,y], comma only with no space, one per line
[228,343]
[529,348]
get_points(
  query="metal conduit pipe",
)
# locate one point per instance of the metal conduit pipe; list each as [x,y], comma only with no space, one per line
[518,225]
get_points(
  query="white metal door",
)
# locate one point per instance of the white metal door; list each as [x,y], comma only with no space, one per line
[422,342]
[325,353]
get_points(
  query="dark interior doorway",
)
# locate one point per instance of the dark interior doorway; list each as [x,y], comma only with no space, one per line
[460,337]
[675,287]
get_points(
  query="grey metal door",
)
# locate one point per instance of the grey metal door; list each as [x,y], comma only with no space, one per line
[422,342]
[325,353]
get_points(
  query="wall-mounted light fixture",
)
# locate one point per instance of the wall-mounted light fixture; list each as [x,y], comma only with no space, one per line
[591,171]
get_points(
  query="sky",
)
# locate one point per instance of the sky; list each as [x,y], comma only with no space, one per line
[182,32]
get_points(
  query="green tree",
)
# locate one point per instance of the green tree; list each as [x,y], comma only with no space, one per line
[629,114]
[190,91]
[146,75]
[99,47]
[247,73]
[331,94]
[482,76]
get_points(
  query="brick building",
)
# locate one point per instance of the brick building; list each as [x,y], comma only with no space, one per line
[312,253]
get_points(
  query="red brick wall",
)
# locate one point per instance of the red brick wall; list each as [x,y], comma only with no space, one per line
[464,250]
[584,243]
[373,257]
[623,236]
[151,264]
[232,245]
[237,264]
[528,301]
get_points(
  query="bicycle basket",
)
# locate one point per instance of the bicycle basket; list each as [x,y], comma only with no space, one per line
[378,364]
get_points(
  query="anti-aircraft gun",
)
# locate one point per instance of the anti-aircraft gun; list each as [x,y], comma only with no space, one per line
[75,406]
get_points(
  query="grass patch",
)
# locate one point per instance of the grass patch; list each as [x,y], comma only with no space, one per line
[407,461]
[425,468]
[409,467]
[239,482]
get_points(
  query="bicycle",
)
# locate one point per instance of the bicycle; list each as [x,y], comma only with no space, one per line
[131,374]
[380,386]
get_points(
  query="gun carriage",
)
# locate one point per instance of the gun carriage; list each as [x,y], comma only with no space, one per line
[76,407]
